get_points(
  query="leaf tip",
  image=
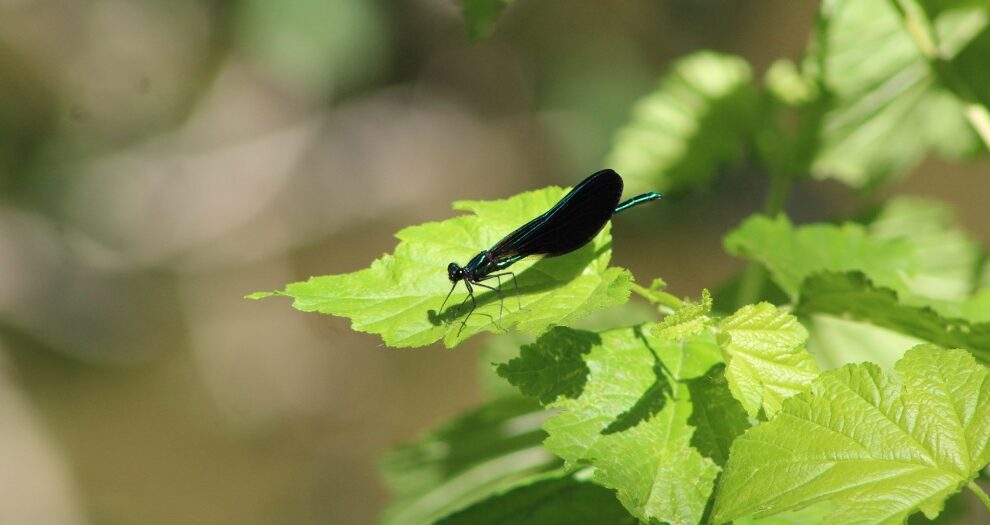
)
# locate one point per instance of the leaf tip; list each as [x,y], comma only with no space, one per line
[261,295]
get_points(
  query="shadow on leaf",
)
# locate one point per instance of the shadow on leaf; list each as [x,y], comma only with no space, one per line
[546,274]
[553,366]
[653,399]
[718,418]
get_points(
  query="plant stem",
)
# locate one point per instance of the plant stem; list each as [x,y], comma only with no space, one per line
[780,189]
[755,275]
[923,33]
[975,489]
[657,296]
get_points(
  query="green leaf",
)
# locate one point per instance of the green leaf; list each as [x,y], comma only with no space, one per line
[557,500]
[687,348]
[853,296]
[879,446]
[718,417]
[914,249]
[767,361]
[886,108]
[813,515]
[691,318]
[553,366]
[698,120]
[499,350]
[946,257]
[835,342]
[506,347]
[977,308]
[970,63]
[635,415]
[481,15]
[399,294]
[495,447]
[791,254]
[913,246]
[787,84]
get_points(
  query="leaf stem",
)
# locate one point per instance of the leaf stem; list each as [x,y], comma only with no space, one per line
[657,297]
[983,497]
[923,33]
[920,27]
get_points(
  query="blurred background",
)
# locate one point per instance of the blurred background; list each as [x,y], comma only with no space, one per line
[161,159]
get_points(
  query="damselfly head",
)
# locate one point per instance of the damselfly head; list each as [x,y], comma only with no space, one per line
[455,272]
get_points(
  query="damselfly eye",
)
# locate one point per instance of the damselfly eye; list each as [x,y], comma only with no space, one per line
[455,272]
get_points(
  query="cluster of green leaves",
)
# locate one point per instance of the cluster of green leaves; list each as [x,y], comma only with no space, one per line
[680,417]
[760,410]
[863,81]
[670,421]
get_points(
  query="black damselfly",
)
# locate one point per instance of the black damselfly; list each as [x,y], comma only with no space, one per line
[569,225]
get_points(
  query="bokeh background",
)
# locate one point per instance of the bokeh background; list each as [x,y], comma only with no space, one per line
[159,159]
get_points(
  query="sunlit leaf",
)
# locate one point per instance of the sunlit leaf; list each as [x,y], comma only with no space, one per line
[786,83]
[767,361]
[913,246]
[947,257]
[887,109]
[399,295]
[879,446]
[691,318]
[651,413]
[697,121]
[792,253]
[814,515]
